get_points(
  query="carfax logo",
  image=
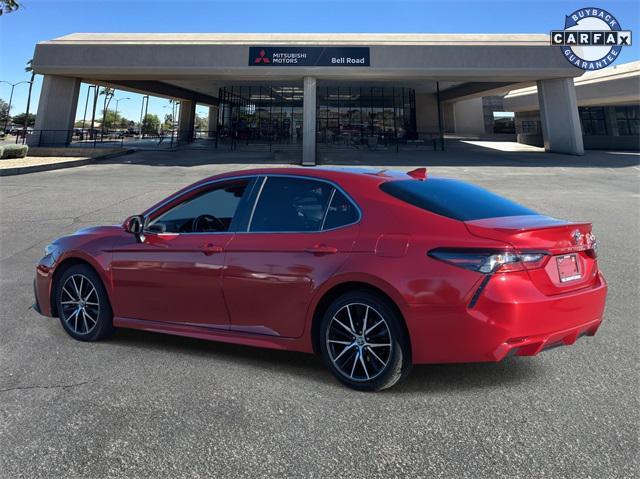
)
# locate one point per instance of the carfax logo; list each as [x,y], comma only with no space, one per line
[592,38]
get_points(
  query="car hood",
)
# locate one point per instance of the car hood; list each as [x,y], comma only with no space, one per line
[100,230]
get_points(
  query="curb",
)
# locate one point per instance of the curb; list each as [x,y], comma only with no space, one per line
[21,170]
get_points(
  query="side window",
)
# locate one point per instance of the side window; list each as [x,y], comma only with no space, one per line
[341,212]
[209,211]
[291,204]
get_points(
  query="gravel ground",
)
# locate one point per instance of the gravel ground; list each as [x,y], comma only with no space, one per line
[149,405]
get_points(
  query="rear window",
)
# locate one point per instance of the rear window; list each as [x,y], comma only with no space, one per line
[341,212]
[454,199]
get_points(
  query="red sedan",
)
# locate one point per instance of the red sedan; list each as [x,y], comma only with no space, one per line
[374,270]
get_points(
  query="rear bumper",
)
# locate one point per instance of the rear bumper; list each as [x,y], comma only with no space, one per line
[532,345]
[510,317]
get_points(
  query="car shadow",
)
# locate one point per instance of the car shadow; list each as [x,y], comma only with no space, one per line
[441,378]
[437,378]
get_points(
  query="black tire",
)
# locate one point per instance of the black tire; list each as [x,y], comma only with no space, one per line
[77,319]
[377,367]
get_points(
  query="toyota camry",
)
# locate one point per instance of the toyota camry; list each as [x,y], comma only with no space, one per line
[373,270]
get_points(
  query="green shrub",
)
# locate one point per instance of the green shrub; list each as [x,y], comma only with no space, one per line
[1,151]
[14,151]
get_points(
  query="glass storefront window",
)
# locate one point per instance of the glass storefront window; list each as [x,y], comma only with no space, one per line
[593,120]
[262,114]
[347,116]
[355,116]
[628,119]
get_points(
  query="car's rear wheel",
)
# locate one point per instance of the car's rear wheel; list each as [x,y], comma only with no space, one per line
[83,305]
[363,342]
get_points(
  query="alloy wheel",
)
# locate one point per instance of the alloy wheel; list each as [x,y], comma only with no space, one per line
[80,304]
[359,342]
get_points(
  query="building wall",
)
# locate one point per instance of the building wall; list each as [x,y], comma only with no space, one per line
[426,113]
[491,104]
[529,132]
[615,89]
[448,118]
[392,56]
[469,116]
[528,129]
[605,90]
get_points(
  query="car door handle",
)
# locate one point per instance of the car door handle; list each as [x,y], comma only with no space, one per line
[211,248]
[322,249]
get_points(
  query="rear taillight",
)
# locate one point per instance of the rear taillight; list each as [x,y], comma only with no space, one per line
[593,245]
[490,261]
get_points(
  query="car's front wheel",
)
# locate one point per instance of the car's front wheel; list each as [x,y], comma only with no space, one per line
[83,305]
[363,342]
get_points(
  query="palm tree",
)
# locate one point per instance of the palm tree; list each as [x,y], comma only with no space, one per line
[108,95]
[8,6]
[29,69]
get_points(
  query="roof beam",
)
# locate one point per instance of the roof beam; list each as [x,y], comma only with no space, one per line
[164,89]
[470,90]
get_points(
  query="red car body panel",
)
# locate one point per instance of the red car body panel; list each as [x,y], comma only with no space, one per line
[280,269]
[264,289]
[168,278]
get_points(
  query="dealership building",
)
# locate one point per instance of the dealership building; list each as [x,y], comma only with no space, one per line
[313,90]
[608,106]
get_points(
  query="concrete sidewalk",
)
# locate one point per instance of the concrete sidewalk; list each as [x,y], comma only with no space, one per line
[465,153]
[46,159]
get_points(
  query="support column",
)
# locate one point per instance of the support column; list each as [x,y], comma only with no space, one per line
[309,122]
[559,116]
[449,117]
[56,111]
[213,121]
[186,121]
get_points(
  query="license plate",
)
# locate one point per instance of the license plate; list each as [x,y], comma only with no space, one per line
[568,268]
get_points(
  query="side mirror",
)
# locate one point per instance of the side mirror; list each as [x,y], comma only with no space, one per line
[135,226]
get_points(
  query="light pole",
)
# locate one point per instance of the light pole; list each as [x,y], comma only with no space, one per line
[92,134]
[118,100]
[13,85]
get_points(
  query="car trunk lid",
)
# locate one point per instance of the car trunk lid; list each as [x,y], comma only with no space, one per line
[571,248]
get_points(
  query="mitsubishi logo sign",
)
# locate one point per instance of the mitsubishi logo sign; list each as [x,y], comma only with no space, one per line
[283,56]
[262,57]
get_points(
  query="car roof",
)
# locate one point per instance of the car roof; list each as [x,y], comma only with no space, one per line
[344,177]
[337,174]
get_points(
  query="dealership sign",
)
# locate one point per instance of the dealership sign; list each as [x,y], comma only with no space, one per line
[309,56]
[592,38]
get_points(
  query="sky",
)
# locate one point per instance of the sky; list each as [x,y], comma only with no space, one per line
[40,20]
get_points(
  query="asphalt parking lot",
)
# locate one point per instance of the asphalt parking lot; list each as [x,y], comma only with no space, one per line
[148,405]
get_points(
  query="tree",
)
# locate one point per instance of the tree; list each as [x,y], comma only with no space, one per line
[111,119]
[124,123]
[29,69]
[108,95]
[150,124]
[4,111]
[168,122]
[20,119]
[202,123]
[8,6]
[114,120]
